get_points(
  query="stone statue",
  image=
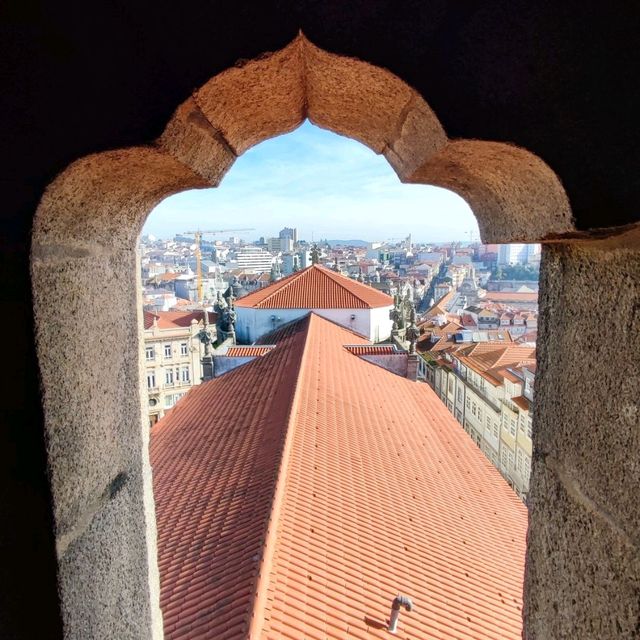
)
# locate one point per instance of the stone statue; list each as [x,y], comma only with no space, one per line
[219,307]
[412,333]
[205,335]
[394,315]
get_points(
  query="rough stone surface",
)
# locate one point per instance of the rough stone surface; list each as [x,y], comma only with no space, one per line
[257,100]
[86,339]
[583,561]
[419,137]
[87,323]
[103,577]
[84,267]
[354,98]
[583,577]
[580,333]
[190,139]
[514,195]
[105,198]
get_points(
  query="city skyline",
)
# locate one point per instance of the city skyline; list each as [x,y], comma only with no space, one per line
[327,186]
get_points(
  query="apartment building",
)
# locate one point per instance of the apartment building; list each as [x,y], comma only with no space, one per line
[488,387]
[172,352]
[251,258]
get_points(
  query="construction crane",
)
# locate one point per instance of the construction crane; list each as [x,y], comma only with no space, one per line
[198,237]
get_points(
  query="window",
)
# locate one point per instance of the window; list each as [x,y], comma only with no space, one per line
[151,379]
[450,386]
[527,465]
[480,414]
[519,460]
[167,350]
[496,429]
[150,353]
[169,401]
[185,374]
[512,427]
[474,409]
[184,349]
[521,421]
[168,376]
[468,403]
[460,394]
[529,421]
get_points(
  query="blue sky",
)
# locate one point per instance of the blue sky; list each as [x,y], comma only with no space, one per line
[323,184]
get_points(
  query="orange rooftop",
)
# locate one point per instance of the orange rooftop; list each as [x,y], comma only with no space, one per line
[299,494]
[354,305]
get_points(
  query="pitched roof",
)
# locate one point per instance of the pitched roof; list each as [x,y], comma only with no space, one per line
[175,319]
[440,307]
[493,361]
[522,402]
[304,501]
[511,296]
[316,287]
[372,349]
[249,350]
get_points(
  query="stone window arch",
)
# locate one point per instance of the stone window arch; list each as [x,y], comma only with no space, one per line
[87,303]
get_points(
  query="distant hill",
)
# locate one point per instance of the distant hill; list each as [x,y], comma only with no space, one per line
[347,243]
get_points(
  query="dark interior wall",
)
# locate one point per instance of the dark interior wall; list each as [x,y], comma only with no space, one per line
[558,78]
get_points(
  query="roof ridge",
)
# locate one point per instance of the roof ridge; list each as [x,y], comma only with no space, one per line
[258,601]
[287,282]
[316,287]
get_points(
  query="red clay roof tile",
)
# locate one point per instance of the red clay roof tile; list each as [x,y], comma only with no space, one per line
[316,287]
[175,319]
[250,350]
[294,499]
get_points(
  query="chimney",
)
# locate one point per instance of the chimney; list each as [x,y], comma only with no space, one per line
[412,366]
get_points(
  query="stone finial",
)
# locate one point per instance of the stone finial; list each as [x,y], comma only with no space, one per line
[412,333]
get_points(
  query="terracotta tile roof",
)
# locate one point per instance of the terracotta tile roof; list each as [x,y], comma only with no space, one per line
[168,276]
[302,504]
[468,321]
[483,359]
[529,336]
[371,349]
[175,319]
[246,351]
[439,308]
[493,363]
[522,402]
[212,519]
[511,296]
[316,287]
[436,339]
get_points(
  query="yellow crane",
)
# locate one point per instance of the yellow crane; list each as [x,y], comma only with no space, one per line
[198,237]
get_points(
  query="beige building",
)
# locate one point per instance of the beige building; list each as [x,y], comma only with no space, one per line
[488,387]
[172,353]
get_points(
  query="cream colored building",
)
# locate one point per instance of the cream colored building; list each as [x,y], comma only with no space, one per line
[489,390]
[172,353]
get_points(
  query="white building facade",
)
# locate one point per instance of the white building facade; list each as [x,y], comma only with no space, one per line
[373,324]
[351,304]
